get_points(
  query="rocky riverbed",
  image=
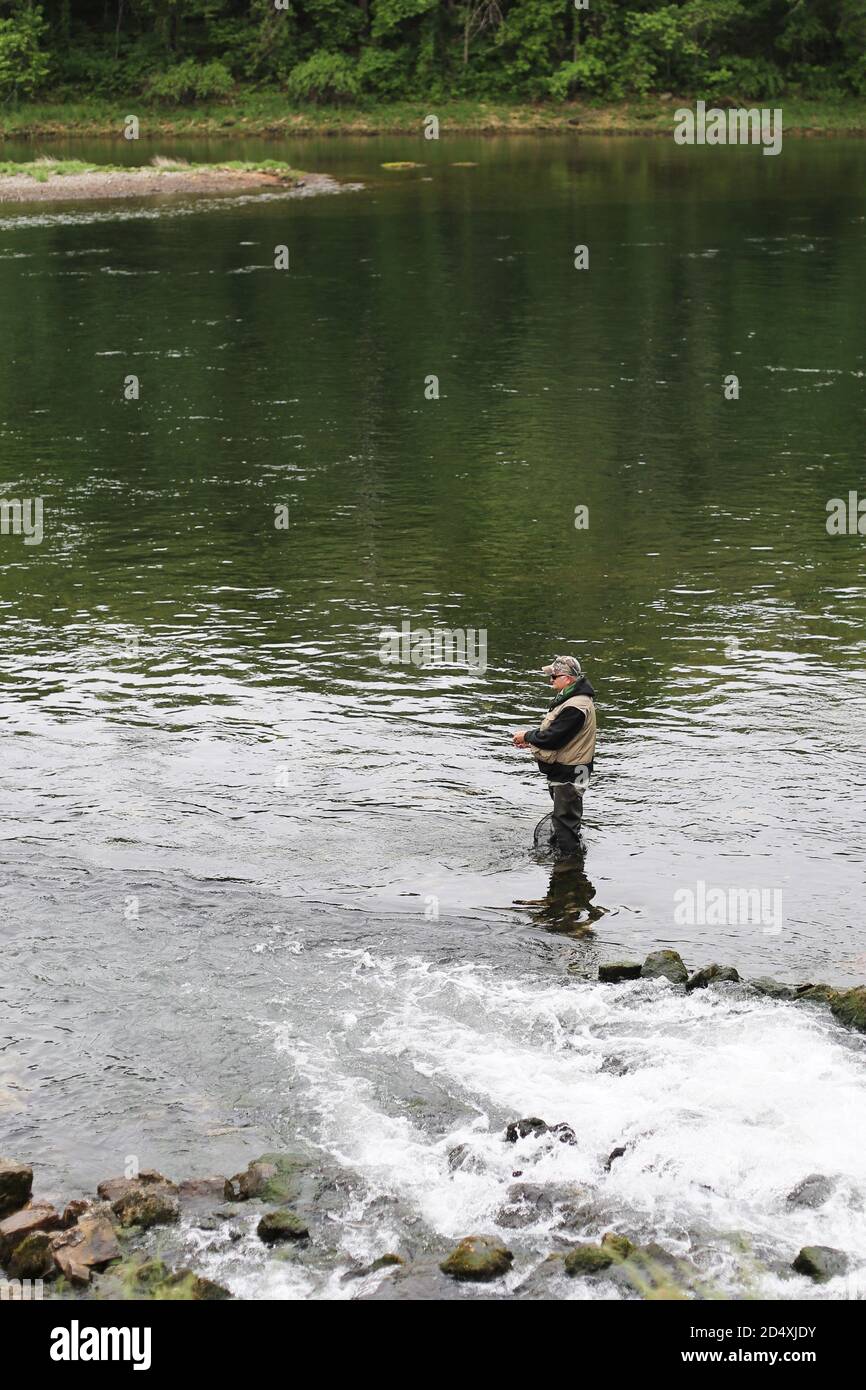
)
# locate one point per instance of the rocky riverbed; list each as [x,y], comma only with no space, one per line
[101,184]
[144,1235]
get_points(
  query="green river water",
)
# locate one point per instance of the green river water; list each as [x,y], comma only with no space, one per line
[247,866]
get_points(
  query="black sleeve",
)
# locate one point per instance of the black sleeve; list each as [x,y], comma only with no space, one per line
[563,729]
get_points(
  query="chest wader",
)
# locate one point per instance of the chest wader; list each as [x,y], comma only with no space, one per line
[567,815]
[562,828]
[567,771]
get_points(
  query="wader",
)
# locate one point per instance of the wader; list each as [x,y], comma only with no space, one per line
[562,766]
[567,815]
[562,828]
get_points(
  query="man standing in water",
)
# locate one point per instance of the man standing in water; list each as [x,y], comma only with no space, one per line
[563,745]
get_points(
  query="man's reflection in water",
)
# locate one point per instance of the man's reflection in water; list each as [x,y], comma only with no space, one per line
[568,908]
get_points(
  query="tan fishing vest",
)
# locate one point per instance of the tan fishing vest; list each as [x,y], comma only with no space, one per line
[581,749]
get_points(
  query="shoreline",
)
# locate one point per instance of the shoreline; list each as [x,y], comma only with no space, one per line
[268,115]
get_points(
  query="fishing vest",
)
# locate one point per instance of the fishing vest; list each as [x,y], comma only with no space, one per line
[581,749]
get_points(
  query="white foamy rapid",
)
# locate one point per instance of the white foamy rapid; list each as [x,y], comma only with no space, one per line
[723,1100]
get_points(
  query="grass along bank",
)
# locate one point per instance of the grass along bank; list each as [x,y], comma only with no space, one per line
[46,168]
[271,113]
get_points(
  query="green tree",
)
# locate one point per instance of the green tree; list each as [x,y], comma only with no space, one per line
[23,63]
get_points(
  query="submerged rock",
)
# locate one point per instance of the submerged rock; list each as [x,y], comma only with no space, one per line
[773,989]
[477,1258]
[420,1281]
[614,1066]
[538,1283]
[638,1272]
[281,1225]
[588,1259]
[386,1261]
[209,1221]
[573,1207]
[813,1191]
[534,1128]
[527,1204]
[712,974]
[666,965]
[16,1185]
[144,1279]
[212,1189]
[612,972]
[522,1129]
[820,1262]
[653,1273]
[618,1245]
[464,1159]
[614,1154]
[39,1216]
[275,1178]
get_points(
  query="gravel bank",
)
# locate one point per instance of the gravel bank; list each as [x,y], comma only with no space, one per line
[145,183]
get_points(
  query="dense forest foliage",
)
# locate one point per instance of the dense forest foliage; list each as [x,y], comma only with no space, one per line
[356,51]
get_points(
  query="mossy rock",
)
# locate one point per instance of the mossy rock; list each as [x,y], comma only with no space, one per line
[402,164]
[667,965]
[659,1276]
[712,974]
[387,1261]
[14,1229]
[820,1263]
[612,972]
[849,1007]
[281,1225]
[127,1233]
[184,1285]
[617,1245]
[145,1209]
[588,1259]
[477,1258]
[147,1180]
[152,1279]
[773,989]
[33,1258]
[817,994]
[274,1178]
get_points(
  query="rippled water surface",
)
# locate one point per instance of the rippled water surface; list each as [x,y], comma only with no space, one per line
[260,888]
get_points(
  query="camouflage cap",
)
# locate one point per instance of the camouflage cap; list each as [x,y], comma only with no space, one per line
[563,666]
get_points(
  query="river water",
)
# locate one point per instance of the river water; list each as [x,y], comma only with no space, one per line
[261,889]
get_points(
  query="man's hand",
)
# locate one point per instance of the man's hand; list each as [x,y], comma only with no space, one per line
[519,739]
